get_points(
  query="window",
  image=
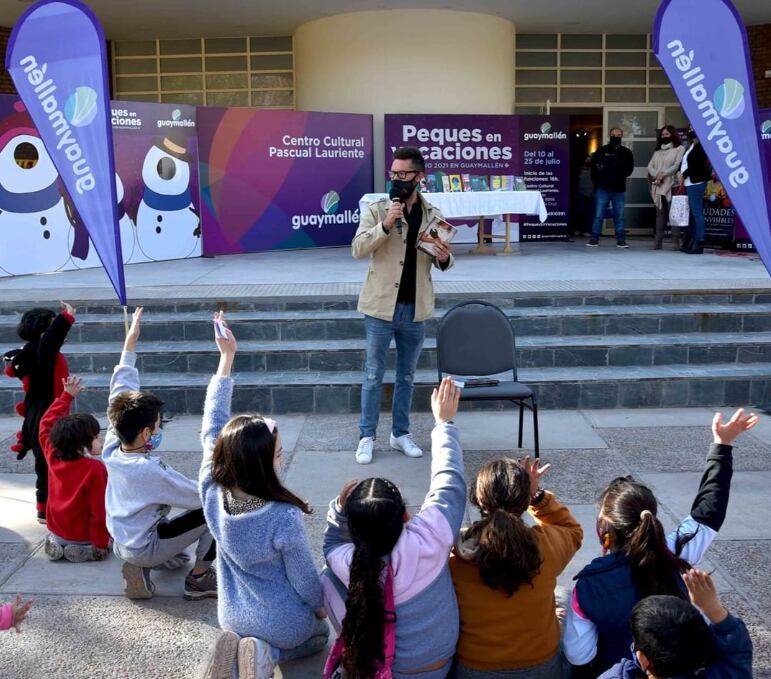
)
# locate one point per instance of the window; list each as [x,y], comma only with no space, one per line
[255,71]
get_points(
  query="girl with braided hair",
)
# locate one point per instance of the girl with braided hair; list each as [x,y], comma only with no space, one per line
[376,551]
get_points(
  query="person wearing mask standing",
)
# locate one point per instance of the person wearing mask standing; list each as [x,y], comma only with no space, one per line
[695,172]
[662,170]
[397,297]
[611,165]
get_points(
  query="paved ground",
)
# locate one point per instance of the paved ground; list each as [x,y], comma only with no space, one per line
[542,267]
[81,626]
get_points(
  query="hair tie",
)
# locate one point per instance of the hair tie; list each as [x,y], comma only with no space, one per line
[645,512]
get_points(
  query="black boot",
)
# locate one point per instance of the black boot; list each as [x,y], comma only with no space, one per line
[697,249]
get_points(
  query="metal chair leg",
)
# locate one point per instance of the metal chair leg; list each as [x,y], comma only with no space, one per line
[521,421]
[535,429]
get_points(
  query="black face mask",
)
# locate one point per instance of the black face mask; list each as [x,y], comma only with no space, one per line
[666,140]
[402,189]
[691,135]
[615,141]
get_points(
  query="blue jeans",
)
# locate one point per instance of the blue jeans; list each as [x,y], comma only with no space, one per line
[616,199]
[409,341]
[696,202]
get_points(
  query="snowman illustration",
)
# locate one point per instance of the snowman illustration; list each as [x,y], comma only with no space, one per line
[35,225]
[167,223]
[127,236]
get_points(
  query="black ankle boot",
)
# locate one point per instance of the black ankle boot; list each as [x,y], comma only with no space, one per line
[696,249]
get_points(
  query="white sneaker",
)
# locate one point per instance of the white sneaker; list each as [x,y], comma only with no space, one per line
[255,659]
[364,451]
[406,445]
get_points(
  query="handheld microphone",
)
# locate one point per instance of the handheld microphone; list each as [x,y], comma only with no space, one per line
[395,196]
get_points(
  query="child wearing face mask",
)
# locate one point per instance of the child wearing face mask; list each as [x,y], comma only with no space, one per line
[142,490]
[662,170]
[76,481]
[270,597]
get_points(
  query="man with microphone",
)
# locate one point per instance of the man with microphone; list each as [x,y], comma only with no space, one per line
[397,297]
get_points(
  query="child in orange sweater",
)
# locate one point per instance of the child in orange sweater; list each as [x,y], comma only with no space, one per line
[77,480]
[505,573]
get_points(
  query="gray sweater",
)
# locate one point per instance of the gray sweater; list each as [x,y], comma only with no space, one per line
[267,583]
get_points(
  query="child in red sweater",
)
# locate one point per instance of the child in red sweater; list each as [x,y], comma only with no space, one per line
[41,367]
[77,480]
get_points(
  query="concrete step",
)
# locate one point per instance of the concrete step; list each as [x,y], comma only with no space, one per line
[323,325]
[443,301]
[722,384]
[348,355]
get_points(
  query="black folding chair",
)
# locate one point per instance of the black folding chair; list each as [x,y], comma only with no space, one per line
[477,338]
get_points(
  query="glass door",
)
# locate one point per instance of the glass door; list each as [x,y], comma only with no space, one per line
[640,125]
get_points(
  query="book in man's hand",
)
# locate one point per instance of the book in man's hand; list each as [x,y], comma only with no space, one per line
[438,230]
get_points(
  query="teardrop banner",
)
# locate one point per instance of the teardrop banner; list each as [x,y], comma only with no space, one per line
[57,59]
[717,92]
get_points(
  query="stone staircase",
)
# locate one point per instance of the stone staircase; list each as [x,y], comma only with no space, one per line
[639,349]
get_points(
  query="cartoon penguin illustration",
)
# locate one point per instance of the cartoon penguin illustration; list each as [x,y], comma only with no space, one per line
[168,225]
[127,236]
[35,225]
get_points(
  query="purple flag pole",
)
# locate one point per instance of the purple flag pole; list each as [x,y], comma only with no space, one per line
[56,58]
[716,89]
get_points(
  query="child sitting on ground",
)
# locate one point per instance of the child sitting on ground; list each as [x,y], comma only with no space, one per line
[41,368]
[141,490]
[671,638]
[12,615]
[640,560]
[270,598]
[76,481]
[375,551]
[505,573]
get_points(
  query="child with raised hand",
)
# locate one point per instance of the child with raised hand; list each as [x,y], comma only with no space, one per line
[270,599]
[505,573]
[41,367]
[13,614]
[671,638]
[142,490]
[373,547]
[77,480]
[640,560]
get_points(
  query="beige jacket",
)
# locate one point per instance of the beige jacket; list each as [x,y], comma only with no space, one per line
[666,161]
[386,252]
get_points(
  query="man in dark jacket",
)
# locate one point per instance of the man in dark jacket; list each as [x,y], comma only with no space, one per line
[671,638]
[611,165]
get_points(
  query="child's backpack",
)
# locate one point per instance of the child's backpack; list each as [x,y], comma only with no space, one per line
[333,669]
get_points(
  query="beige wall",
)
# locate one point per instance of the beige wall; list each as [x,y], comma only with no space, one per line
[405,61]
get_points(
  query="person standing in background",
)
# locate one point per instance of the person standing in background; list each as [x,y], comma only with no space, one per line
[611,165]
[695,172]
[662,170]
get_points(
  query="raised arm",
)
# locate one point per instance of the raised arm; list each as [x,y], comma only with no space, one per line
[216,409]
[697,531]
[58,409]
[447,491]
[53,338]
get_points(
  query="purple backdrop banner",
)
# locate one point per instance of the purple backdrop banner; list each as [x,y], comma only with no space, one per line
[717,92]
[491,153]
[157,194]
[56,57]
[281,179]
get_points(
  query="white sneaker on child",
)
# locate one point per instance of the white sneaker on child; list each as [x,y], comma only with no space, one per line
[406,445]
[364,451]
[255,659]
[78,553]
[221,659]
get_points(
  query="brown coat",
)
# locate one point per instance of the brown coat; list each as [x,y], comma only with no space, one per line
[386,252]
